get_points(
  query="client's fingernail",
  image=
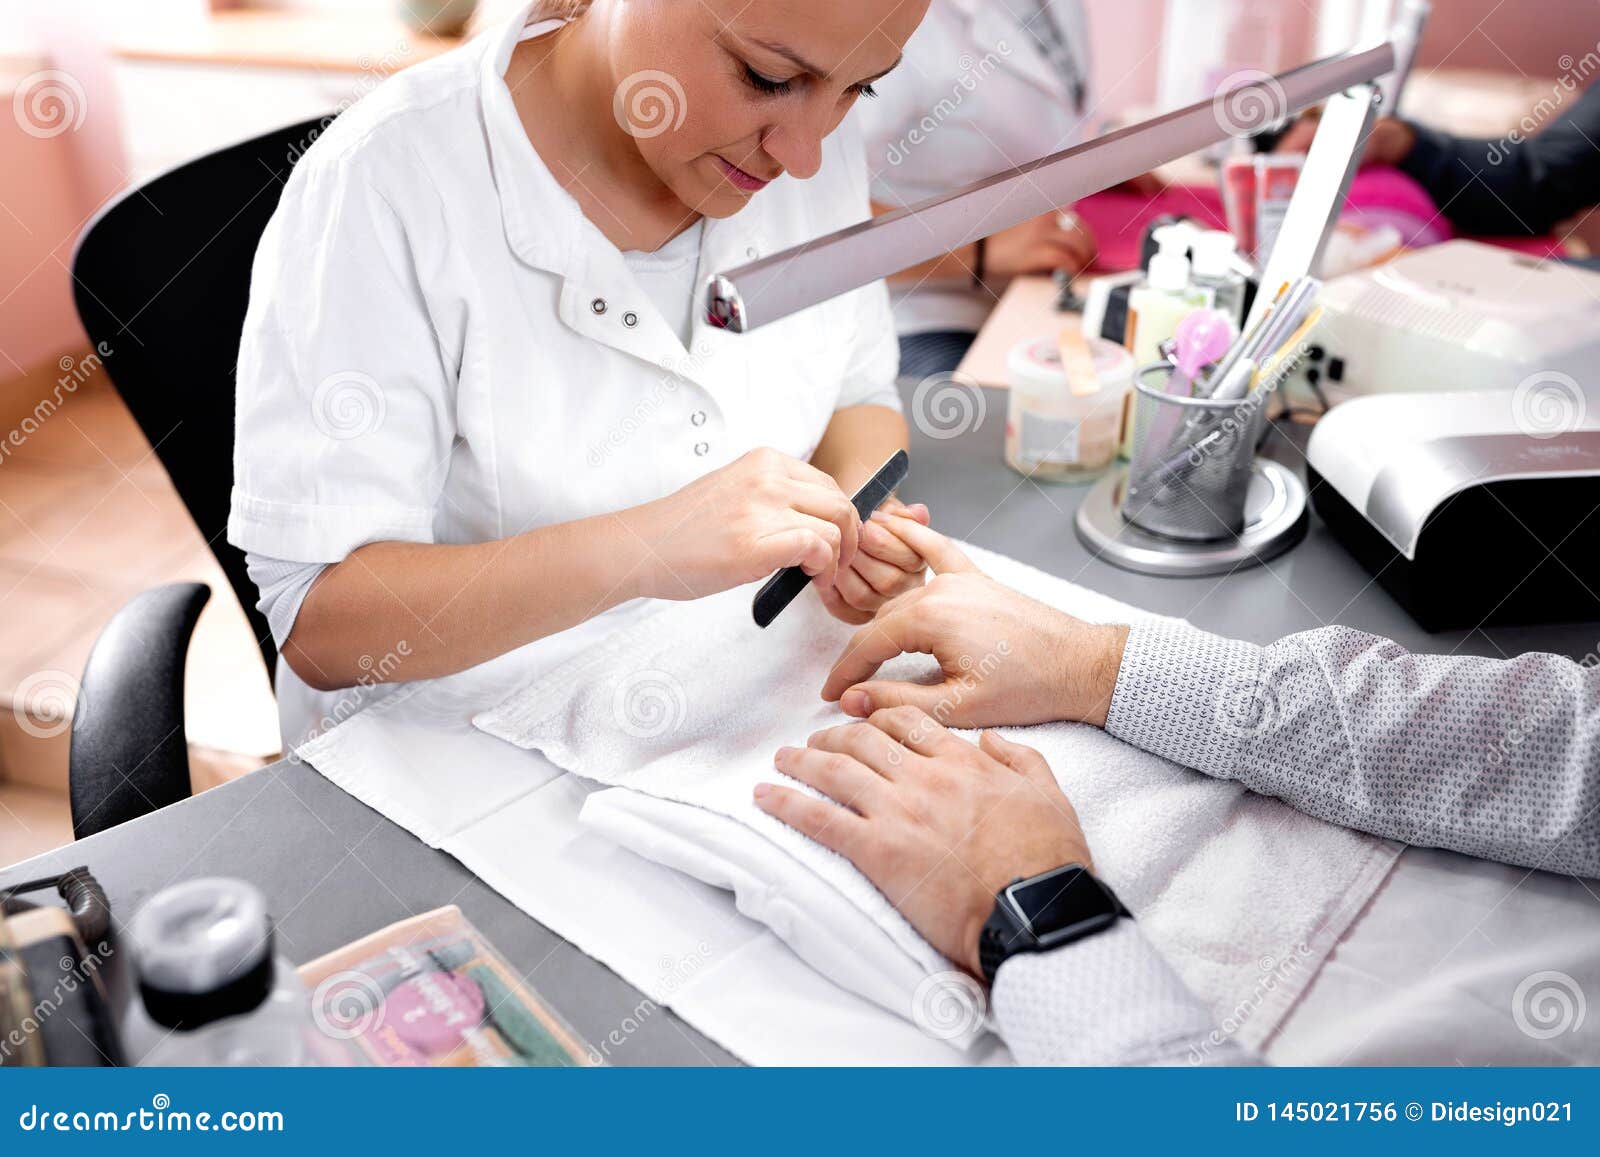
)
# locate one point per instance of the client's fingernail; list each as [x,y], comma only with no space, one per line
[762,790]
[783,753]
[855,702]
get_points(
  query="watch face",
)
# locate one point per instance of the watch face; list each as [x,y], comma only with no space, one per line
[1062,904]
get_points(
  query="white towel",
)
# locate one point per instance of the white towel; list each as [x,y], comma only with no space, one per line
[1243,894]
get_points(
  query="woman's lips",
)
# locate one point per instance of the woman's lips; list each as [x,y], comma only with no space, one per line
[740,179]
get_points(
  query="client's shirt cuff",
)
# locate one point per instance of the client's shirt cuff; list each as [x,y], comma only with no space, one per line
[1109,999]
[1188,695]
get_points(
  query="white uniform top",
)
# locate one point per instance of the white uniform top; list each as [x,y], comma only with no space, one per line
[976,93]
[441,348]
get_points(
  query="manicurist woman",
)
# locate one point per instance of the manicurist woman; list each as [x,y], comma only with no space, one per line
[478,402]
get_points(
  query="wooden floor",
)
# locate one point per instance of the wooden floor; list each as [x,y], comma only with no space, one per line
[88,518]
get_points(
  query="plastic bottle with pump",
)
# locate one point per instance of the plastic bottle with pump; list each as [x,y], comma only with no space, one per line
[1213,273]
[1164,299]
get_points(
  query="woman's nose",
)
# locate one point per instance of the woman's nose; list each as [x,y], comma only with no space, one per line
[795,144]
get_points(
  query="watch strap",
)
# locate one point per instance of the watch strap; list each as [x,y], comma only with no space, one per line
[1004,935]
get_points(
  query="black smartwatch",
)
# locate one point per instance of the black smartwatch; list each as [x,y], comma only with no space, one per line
[1044,912]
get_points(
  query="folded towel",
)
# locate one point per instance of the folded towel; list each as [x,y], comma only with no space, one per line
[1243,894]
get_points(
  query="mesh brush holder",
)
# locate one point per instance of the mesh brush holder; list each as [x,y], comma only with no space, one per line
[1192,460]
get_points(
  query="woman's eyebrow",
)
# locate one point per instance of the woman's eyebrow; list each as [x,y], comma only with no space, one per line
[801,62]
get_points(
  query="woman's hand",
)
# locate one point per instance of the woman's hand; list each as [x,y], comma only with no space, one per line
[759,514]
[885,565]
[1005,658]
[939,825]
[1043,245]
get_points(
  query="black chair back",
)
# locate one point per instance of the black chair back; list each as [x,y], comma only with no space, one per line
[161,279]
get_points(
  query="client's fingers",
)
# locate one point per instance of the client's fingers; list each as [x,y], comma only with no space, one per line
[892,633]
[863,699]
[884,579]
[844,780]
[878,542]
[829,824]
[864,745]
[940,553]
[1019,758]
[913,726]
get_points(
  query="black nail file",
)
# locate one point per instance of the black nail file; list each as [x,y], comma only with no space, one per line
[780,590]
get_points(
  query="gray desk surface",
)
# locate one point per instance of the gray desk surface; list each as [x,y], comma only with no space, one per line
[333,869]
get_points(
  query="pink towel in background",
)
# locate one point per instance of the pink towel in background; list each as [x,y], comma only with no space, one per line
[1378,195]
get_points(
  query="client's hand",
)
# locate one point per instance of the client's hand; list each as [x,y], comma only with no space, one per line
[938,824]
[885,565]
[1043,244]
[761,513]
[1005,658]
[1389,143]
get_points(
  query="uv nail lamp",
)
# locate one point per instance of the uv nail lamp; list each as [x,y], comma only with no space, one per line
[1456,316]
[1471,507]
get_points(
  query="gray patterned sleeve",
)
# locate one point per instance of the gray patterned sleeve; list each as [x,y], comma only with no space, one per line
[1494,758]
[1107,1000]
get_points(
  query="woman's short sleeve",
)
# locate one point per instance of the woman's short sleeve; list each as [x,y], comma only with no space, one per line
[345,411]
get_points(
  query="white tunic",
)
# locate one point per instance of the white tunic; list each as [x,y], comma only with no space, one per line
[441,348]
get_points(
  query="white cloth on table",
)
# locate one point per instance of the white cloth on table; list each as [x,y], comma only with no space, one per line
[1426,974]
[688,704]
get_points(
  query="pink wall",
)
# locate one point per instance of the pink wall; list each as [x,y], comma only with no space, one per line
[1124,37]
[1497,35]
[60,157]
[1527,36]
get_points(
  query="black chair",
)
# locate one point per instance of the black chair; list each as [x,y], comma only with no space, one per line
[161,279]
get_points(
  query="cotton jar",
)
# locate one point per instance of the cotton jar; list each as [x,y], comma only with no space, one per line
[1051,432]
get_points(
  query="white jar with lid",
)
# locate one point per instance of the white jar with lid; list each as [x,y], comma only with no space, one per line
[1053,433]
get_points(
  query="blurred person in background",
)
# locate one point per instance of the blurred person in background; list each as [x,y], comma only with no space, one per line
[984,85]
[1516,185]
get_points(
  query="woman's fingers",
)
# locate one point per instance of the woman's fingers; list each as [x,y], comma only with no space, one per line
[938,551]
[832,506]
[808,543]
